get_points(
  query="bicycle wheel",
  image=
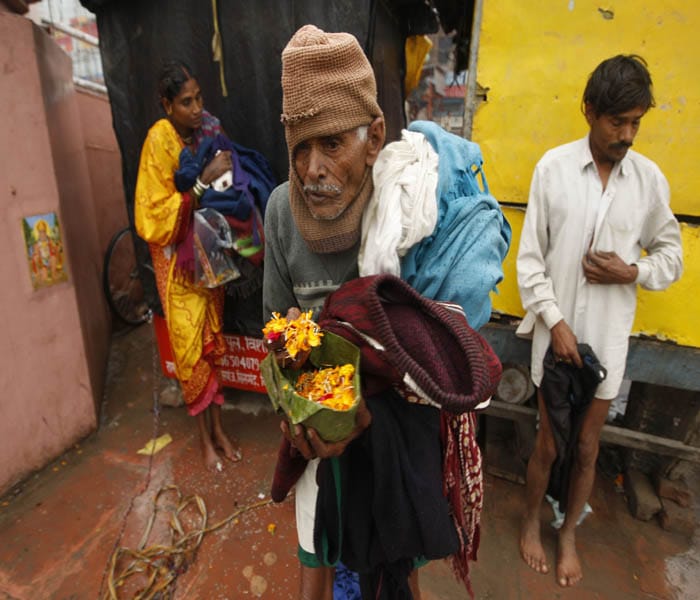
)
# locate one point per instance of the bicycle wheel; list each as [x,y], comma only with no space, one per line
[121,280]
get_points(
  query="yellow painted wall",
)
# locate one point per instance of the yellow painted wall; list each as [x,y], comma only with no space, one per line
[534,60]
[673,314]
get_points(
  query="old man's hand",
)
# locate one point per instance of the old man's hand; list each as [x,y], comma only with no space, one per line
[282,357]
[607,267]
[309,443]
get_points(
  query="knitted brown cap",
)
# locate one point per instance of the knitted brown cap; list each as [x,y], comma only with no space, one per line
[328,85]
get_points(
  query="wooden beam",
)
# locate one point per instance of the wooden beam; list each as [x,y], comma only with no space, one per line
[609,435]
[648,360]
[471,84]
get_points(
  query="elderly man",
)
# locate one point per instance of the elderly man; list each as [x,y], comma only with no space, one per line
[325,227]
[594,207]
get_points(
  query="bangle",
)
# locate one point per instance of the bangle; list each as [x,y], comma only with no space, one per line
[199,188]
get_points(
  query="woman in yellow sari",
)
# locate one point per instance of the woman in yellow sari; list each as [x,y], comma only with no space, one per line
[163,217]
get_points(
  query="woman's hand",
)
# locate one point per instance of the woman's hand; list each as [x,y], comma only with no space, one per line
[309,443]
[217,166]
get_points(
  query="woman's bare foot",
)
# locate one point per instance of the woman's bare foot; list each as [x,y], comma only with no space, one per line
[212,460]
[531,546]
[569,571]
[228,449]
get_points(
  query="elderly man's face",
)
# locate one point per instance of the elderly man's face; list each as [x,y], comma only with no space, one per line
[332,168]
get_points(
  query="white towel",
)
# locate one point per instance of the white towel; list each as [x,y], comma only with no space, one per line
[403,208]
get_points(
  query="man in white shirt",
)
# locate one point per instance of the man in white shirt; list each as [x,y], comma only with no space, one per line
[594,207]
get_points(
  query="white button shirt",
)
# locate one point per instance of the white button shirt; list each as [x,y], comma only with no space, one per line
[568,212]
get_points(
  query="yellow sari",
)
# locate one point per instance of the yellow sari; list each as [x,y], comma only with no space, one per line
[193,314]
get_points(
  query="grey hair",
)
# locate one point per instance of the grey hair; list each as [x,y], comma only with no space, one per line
[362,132]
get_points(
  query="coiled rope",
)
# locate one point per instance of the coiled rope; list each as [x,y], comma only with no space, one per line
[159,564]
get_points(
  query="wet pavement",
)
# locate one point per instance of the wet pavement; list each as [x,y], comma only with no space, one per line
[60,528]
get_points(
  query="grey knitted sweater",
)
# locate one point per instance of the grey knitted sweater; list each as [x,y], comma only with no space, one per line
[293,275]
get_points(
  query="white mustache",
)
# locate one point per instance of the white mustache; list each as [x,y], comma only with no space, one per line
[323,188]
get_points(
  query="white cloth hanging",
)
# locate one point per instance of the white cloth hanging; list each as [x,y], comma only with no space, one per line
[405,183]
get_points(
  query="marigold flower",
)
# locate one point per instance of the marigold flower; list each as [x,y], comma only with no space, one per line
[300,334]
[275,326]
[331,387]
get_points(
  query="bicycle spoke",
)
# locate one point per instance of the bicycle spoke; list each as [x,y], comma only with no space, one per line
[121,279]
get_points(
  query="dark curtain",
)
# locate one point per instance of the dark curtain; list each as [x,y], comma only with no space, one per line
[137,36]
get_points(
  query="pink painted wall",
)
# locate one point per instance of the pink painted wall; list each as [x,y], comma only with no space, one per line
[54,341]
[104,165]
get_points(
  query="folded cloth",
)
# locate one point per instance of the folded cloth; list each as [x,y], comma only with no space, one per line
[382,501]
[462,260]
[243,204]
[406,341]
[403,209]
[425,347]
[426,351]
[236,201]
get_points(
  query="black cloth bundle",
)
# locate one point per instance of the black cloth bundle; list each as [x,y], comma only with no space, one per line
[381,504]
[567,392]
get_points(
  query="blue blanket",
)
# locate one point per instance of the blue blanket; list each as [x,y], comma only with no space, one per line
[461,261]
[253,180]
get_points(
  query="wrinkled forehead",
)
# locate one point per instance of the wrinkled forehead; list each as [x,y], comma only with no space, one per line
[323,125]
[353,133]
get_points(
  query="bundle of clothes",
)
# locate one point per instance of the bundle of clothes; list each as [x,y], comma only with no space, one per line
[242,204]
[416,476]
[410,488]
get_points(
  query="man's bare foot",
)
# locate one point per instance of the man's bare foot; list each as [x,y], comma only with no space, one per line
[569,571]
[227,447]
[531,546]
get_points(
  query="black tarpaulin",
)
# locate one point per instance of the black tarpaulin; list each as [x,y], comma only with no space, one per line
[138,36]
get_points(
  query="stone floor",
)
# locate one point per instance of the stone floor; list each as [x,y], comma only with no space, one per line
[61,526]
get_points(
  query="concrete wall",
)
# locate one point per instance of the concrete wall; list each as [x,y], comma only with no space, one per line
[534,64]
[55,338]
[104,165]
